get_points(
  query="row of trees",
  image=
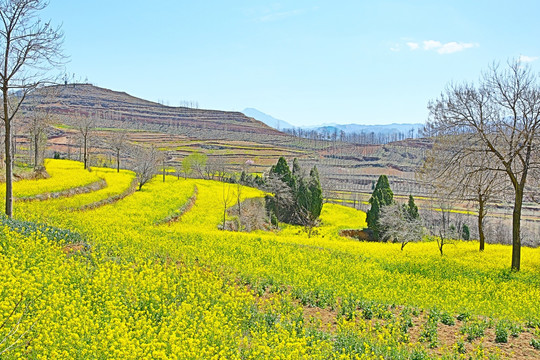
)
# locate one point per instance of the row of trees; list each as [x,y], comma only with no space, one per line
[29,49]
[486,147]
[366,138]
[487,142]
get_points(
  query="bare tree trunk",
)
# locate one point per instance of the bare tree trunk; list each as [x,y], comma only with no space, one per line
[224,215]
[117,160]
[85,152]
[9,158]
[481,214]
[36,151]
[516,227]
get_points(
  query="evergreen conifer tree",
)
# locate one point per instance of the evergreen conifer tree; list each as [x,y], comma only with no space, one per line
[315,190]
[411,209]
[382,196]
[465,232]
[282,169]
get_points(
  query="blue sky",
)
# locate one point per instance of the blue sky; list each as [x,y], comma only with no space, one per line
[305,62]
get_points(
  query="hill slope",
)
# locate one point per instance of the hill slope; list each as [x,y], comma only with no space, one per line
[86,99]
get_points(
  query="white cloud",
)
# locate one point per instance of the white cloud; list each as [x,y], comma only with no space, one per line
[527,59]
[452,47]
[413,45]
[444,48]
[431,44]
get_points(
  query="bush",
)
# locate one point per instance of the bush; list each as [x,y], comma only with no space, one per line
[474,329]
[515,329]
[447,319]
[429,330]
[501,332]
[460,346]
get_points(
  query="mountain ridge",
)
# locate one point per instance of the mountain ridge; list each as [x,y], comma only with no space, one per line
[333,127]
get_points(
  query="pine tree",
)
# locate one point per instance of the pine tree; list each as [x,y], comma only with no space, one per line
[465,232]
[303,202]
[315,190]
[372,216]
[382,196]
[282,170]
[412,209]
[305,193]
[296,169]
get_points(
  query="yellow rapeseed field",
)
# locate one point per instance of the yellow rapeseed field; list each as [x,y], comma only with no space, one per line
[116,282]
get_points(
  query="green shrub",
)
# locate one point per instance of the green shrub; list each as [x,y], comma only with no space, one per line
[501,332]
[515,329]
[447,319]
[429,330]
[474,329]
[463,316]
[459,346]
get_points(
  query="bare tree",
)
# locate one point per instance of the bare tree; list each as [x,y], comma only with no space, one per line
[118,142]
[227,199]
[458,173]
[146,164]
[40,122]
[239,190]
[440,226]
[213,166]
[85,125]
[283,195]
[163,158]
[499,117]
[398,226]
[30,48]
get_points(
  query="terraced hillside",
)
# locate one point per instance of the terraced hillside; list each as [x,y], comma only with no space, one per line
[129,111]
[229,134]
[230,140]
[110,276]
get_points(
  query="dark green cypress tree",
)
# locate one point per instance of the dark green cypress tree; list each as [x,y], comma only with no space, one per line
[465,232]
[412,209]
[372,216]
[303,201]
[296,169]
[382,196]
[315,190]
[243,177]
[282,211]
[282,169]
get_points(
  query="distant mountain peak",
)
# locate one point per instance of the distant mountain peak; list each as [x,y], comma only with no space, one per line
[267,119]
